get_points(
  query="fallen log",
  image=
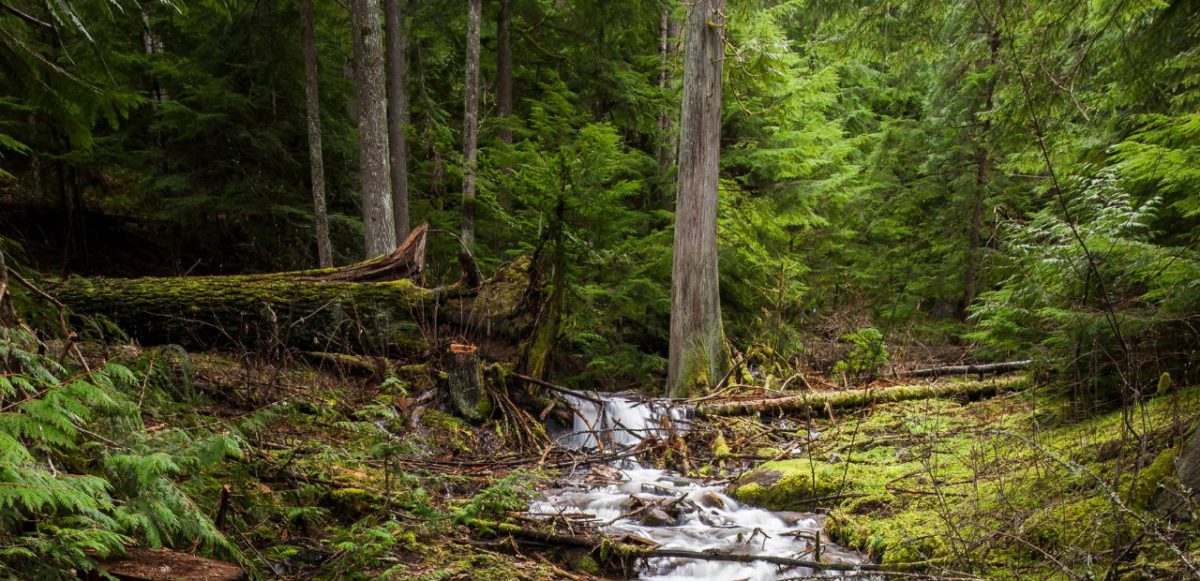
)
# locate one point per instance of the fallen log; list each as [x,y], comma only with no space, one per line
[374,307]
[971,369]
[169,565]
[819,401]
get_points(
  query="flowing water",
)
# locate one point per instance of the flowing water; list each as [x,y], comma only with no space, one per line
[673,511]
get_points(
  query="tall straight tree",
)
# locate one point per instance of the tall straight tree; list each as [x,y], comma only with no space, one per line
[312,102]
[504,68]
[983,158]
[471,121]
[397,78]
[668,37]
[697,349]
[375,181]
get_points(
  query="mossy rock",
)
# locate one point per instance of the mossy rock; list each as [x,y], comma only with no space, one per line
[350,504]
[1158,472]
[786,484]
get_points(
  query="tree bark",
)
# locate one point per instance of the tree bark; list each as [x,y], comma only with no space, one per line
[397,76]
[375,180]
[504,69]
[979,194]
[668,48]
[856,398]
[471,121]
[979,369]
[8,315]
[697,351]
[373,307]
[312,102]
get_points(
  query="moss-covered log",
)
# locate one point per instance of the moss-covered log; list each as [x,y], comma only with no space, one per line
[372,307]
[822,400]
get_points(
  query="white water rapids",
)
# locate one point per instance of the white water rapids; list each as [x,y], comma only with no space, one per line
[701,517]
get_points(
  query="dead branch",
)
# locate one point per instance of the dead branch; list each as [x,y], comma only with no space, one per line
[823,400]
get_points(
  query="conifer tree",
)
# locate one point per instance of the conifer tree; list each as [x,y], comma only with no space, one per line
[374,173]
[697,341]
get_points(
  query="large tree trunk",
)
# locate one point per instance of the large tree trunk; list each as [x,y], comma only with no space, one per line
[697,352]
[373,307]
[471,121]
[312,102]
[375,182]
[982,162]
[397,75]
[504,68]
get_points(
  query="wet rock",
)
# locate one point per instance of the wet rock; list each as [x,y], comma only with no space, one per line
[716,520]
[657,517]
[834,458]
[710,499]
[657,490]
[678,480]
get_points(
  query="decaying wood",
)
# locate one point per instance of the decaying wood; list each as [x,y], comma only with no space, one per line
[374,307]
[980,369]
[822,400]
[407,261]
[465,383]
[169,565]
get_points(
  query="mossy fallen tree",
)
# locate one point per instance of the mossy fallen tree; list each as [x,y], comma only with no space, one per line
[830,400]
[373,307]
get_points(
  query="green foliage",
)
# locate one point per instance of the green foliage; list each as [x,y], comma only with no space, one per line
[1126,292]
[80,478]
[508,494]
[867,354]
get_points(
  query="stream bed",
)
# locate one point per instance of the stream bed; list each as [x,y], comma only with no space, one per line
[626,498]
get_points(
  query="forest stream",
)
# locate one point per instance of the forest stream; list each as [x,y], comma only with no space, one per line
[628,498]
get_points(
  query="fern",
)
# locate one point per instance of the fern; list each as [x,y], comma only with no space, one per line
[79,477]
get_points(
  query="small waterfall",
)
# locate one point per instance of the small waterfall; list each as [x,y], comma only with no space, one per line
[702,516]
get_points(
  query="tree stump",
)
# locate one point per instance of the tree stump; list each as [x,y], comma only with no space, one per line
[465,383]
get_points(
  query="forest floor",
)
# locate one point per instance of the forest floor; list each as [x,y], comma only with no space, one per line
[352,474]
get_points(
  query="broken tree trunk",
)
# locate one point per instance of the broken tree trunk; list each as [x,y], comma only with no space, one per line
[464,381]
[980,369]
[823,400]
[373,307]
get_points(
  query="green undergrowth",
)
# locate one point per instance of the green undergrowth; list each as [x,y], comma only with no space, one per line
[1011,486]
[286,470]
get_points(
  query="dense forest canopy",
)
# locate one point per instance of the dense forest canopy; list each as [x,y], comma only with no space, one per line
[620,194]
[1021,175]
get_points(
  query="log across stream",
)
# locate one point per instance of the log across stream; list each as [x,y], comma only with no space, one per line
[681,515]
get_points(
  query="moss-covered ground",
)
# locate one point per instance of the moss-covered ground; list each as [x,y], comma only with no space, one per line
[1015,486]
[341,476]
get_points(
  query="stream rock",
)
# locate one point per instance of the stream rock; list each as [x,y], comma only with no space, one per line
[657,517]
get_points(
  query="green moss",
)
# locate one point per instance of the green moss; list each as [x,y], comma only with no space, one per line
[352,503]
[720,448]
[909,537]
[587,565]
[788,483]
[447,430]
[1087,523]
[1162,468]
